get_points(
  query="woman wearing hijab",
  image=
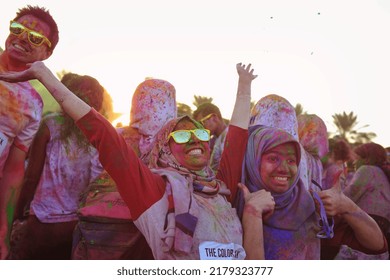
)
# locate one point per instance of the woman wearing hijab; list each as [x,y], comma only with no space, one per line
[180,207]
[370,189]
[106,231]
[370,185]
[271,163]
[275,111]
[313,137]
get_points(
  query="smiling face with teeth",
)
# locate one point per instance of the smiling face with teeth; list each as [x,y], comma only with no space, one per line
[278,168]
[193,155]
[20,50]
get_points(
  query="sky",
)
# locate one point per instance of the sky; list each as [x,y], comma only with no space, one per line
[330,56]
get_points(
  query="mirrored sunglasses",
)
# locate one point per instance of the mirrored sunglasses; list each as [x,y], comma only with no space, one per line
[183,136]
[34,37]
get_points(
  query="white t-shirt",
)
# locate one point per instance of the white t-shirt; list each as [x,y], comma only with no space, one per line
[65,175]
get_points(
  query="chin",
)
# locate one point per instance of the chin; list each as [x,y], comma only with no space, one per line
[196,167]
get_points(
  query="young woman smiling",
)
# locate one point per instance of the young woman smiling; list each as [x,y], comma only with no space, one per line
[292,230]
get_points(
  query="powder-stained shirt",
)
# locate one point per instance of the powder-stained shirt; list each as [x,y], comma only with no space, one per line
[20,114]
[65,175]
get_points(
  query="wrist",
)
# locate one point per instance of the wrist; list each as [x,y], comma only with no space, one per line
[349,207]
[250,210]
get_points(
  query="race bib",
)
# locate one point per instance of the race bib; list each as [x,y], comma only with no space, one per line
[210,250]
[3,142]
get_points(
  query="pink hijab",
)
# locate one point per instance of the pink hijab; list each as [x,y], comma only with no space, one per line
[181,183]
[275,111]
[313,136]
[153,104]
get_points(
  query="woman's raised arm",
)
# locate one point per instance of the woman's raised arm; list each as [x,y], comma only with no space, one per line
[70,103]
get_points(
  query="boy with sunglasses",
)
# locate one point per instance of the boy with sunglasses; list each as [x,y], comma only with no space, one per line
[33,37]
[210,117]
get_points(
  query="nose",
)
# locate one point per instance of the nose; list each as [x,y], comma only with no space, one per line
[193,139]
[23,36]
[283,166]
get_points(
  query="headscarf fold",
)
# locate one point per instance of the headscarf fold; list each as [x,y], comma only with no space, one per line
[182,182]
[294,206]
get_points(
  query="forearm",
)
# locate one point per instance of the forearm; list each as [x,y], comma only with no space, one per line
[70,103]
[26,196]
[366,230]
[10,186]
[253,236]
[241,112]
[34,170]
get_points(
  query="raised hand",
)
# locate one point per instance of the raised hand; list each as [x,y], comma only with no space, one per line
[245,72]
[33,71]
[241,111]
[334,200]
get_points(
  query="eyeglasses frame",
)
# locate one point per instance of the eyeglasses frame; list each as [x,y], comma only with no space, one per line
[30,31]
[191,131]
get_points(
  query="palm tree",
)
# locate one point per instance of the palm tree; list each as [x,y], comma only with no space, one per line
[183,109]
[299,110]
[201,99]
[346,124]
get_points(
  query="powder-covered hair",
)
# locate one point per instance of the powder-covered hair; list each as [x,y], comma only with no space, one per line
[205,109]
[374,154]
[90,91]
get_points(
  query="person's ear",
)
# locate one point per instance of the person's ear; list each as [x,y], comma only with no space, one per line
[47,54]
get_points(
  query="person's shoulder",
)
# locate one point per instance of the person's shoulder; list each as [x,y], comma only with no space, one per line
[369,173]
[367,169]
[53,116]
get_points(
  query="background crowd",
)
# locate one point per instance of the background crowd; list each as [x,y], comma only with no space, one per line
[265,184]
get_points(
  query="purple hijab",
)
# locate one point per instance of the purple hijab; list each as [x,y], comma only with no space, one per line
[294,206]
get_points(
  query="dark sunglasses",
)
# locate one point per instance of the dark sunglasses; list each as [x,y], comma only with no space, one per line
[183,136]
[34,37]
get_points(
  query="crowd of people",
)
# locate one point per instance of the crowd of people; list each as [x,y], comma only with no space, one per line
[266,184]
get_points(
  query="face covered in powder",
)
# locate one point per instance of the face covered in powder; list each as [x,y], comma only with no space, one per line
[194,154]
[278,168]
[153,104]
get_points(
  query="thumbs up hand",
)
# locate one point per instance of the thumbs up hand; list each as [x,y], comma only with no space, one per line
[334,200]
[260,203]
